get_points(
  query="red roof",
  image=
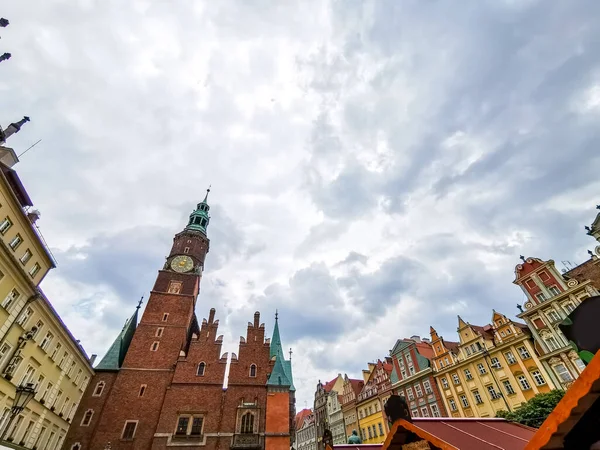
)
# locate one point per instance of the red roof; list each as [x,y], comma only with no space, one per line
[301,416]
[450,345]
[329,385]
[425,349]
[357,385]
[461,434]
[576,402]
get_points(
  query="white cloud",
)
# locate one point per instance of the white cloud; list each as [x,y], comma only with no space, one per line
[372,160]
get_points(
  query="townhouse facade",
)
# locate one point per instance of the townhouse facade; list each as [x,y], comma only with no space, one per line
[377,389]
[413,377]
[491,368]
[306,438]
[350,390]
[550,297]
[36,347]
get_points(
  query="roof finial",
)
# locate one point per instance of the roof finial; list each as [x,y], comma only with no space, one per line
[522,257]
[140,303]
[291,353]
[207,192]
[597,206]
[276,315]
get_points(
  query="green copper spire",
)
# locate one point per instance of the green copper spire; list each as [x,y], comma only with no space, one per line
[282,371]
[199,218]
[113,359]
[279,377]
[276,348]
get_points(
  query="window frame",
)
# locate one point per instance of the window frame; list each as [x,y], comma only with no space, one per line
[24,259]
[101,384]
[202,365]
[83,422]
[5,225]
[16,242]
[128,422]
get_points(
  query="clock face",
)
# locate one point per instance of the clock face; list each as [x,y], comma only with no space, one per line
[182,264]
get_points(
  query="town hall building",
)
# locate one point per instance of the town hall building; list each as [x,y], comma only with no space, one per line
[161,383]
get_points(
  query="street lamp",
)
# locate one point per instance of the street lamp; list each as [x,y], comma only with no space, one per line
[23,394]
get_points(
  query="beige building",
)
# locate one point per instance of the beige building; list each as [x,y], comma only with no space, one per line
[491,368]
[35,345]
[550,298]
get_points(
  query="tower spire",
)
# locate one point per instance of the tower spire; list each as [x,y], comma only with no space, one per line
[199,218]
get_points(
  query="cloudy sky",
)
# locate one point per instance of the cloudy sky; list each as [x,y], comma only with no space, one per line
[377,166]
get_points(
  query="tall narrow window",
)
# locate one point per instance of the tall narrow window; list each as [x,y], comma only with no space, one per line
[247,423]
[165,317]
[10,298]
[129,430]
[154,346]
[46,341]
[196,426]
[182,426]
[186,250]
[159,332]
[87,418]
[142,390]
[24,317]
[15,242]
[201,369]
[253,370]
[99,388]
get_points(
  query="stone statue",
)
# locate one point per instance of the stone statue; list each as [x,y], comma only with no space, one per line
[355,438]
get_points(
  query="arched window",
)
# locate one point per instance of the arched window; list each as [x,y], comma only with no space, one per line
[76,446]
[248,423]
[201,369]
[87,418]
[253,370]
[99,388]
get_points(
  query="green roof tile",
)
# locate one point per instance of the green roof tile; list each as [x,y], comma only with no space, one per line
[113,359]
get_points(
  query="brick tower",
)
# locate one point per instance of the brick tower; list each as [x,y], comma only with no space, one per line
[162,383]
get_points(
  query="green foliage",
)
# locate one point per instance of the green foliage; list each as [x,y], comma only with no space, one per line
[533,412]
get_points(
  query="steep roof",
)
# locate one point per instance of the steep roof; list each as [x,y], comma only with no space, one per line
[576,413]
[275,346]
[287,366]
[279,376]
[425,349]
[113,359]
[301,416]
[451,345]
[329,385]
[356,385]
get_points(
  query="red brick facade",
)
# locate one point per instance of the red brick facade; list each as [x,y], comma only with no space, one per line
[169,390]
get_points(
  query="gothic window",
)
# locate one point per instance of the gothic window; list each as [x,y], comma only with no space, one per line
[87,418]
[253,370]
[201,369]
[247,423]
[99,388]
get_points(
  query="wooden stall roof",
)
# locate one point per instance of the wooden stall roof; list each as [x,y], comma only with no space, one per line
[447,433]
[578,399]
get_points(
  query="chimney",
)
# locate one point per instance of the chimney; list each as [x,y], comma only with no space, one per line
[416,338]
[93,359]
[33,216]
[13,128]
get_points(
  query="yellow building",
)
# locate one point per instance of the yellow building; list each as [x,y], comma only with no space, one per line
[372,421]
[491,368]
[35,345]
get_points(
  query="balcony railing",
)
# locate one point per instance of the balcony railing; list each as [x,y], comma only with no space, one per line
[246,441]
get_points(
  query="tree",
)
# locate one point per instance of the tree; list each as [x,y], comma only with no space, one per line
[533,412]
